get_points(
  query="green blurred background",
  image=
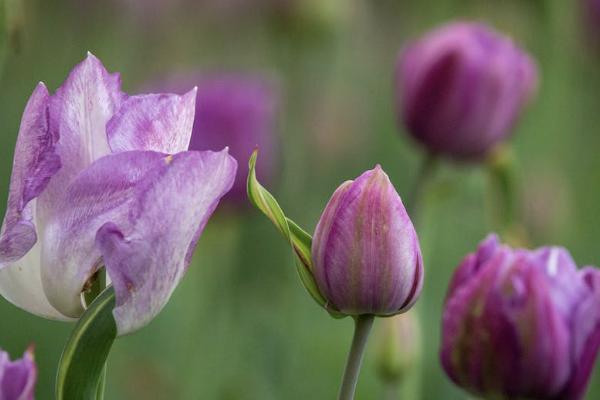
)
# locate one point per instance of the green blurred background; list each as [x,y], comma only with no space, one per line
[240,326]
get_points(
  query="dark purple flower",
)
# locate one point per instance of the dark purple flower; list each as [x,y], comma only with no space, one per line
[365,251]
[103,178]
[521,324]
[18,377]
[460,89]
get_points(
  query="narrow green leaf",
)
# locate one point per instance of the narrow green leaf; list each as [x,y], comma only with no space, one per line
[81,365]
[299,240]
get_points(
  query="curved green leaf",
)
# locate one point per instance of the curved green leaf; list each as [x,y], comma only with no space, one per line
[81,366]
[299,240]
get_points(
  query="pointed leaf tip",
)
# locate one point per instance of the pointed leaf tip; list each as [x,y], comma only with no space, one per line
[300,241]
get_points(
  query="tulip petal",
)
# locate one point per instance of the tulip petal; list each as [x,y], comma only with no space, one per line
[117,189]
[156,122]
[35,162]
[21,284]
[79,112]
[146,257]
[102,193]
[586,336]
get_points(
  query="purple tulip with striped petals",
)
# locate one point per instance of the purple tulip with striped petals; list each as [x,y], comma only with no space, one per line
[101,178]
[460,89]
[521,324]
[365,251]
[18,377]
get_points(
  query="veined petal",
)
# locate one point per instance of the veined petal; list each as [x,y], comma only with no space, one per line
[79,112]
[147,255]
[102,193]
[35,162]
[157,122]
[120,191]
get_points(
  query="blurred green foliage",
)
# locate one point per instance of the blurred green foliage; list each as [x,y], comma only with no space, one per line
[240,326]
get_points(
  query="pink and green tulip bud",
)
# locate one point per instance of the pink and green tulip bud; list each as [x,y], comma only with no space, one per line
[18,377]
[521,324]
[461,88]
[365,251]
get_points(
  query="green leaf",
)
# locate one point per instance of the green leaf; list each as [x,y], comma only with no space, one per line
[299,240]
[81,366]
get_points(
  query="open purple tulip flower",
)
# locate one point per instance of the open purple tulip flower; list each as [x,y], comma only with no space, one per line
[363,261]
[521,324]
[18,377]
[460,89]
[101,178]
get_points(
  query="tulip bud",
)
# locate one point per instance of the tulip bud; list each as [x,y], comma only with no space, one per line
[399,347]
[365,251]
[521,324]
[460,89]
[18,377]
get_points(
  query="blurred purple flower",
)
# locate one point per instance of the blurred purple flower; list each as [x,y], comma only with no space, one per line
[17,378]
[521,324]
[238,112]
[460,89]
[94,183]
[365,251]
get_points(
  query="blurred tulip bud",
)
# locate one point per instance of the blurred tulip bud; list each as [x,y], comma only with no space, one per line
[17,378]
[365,251]
[460,89]
[398,347]
[521,324]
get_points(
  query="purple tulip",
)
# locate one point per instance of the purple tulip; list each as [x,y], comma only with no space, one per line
[365,250]
[521,324]
[461,88]
[103,178]
[240,112]
[17,378]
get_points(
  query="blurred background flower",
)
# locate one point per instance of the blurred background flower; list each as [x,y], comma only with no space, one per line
[460,89]
[17,377]
[521,323]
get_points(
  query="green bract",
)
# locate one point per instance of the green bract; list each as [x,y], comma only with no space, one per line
[299,240]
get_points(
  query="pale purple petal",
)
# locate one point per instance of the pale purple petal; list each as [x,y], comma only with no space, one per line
[102,193]
[79,112]
[157,122]
[147,254]
[35,162]
[17,378]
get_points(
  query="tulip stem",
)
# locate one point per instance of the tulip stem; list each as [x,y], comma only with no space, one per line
[362,328]
[96,285]
[425,173]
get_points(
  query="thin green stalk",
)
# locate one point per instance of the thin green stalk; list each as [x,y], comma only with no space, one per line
[426,171]
[362,328]
[97,285]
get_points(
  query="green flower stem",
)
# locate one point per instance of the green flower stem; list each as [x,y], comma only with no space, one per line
[362,328]
[98,284]
[426,172]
